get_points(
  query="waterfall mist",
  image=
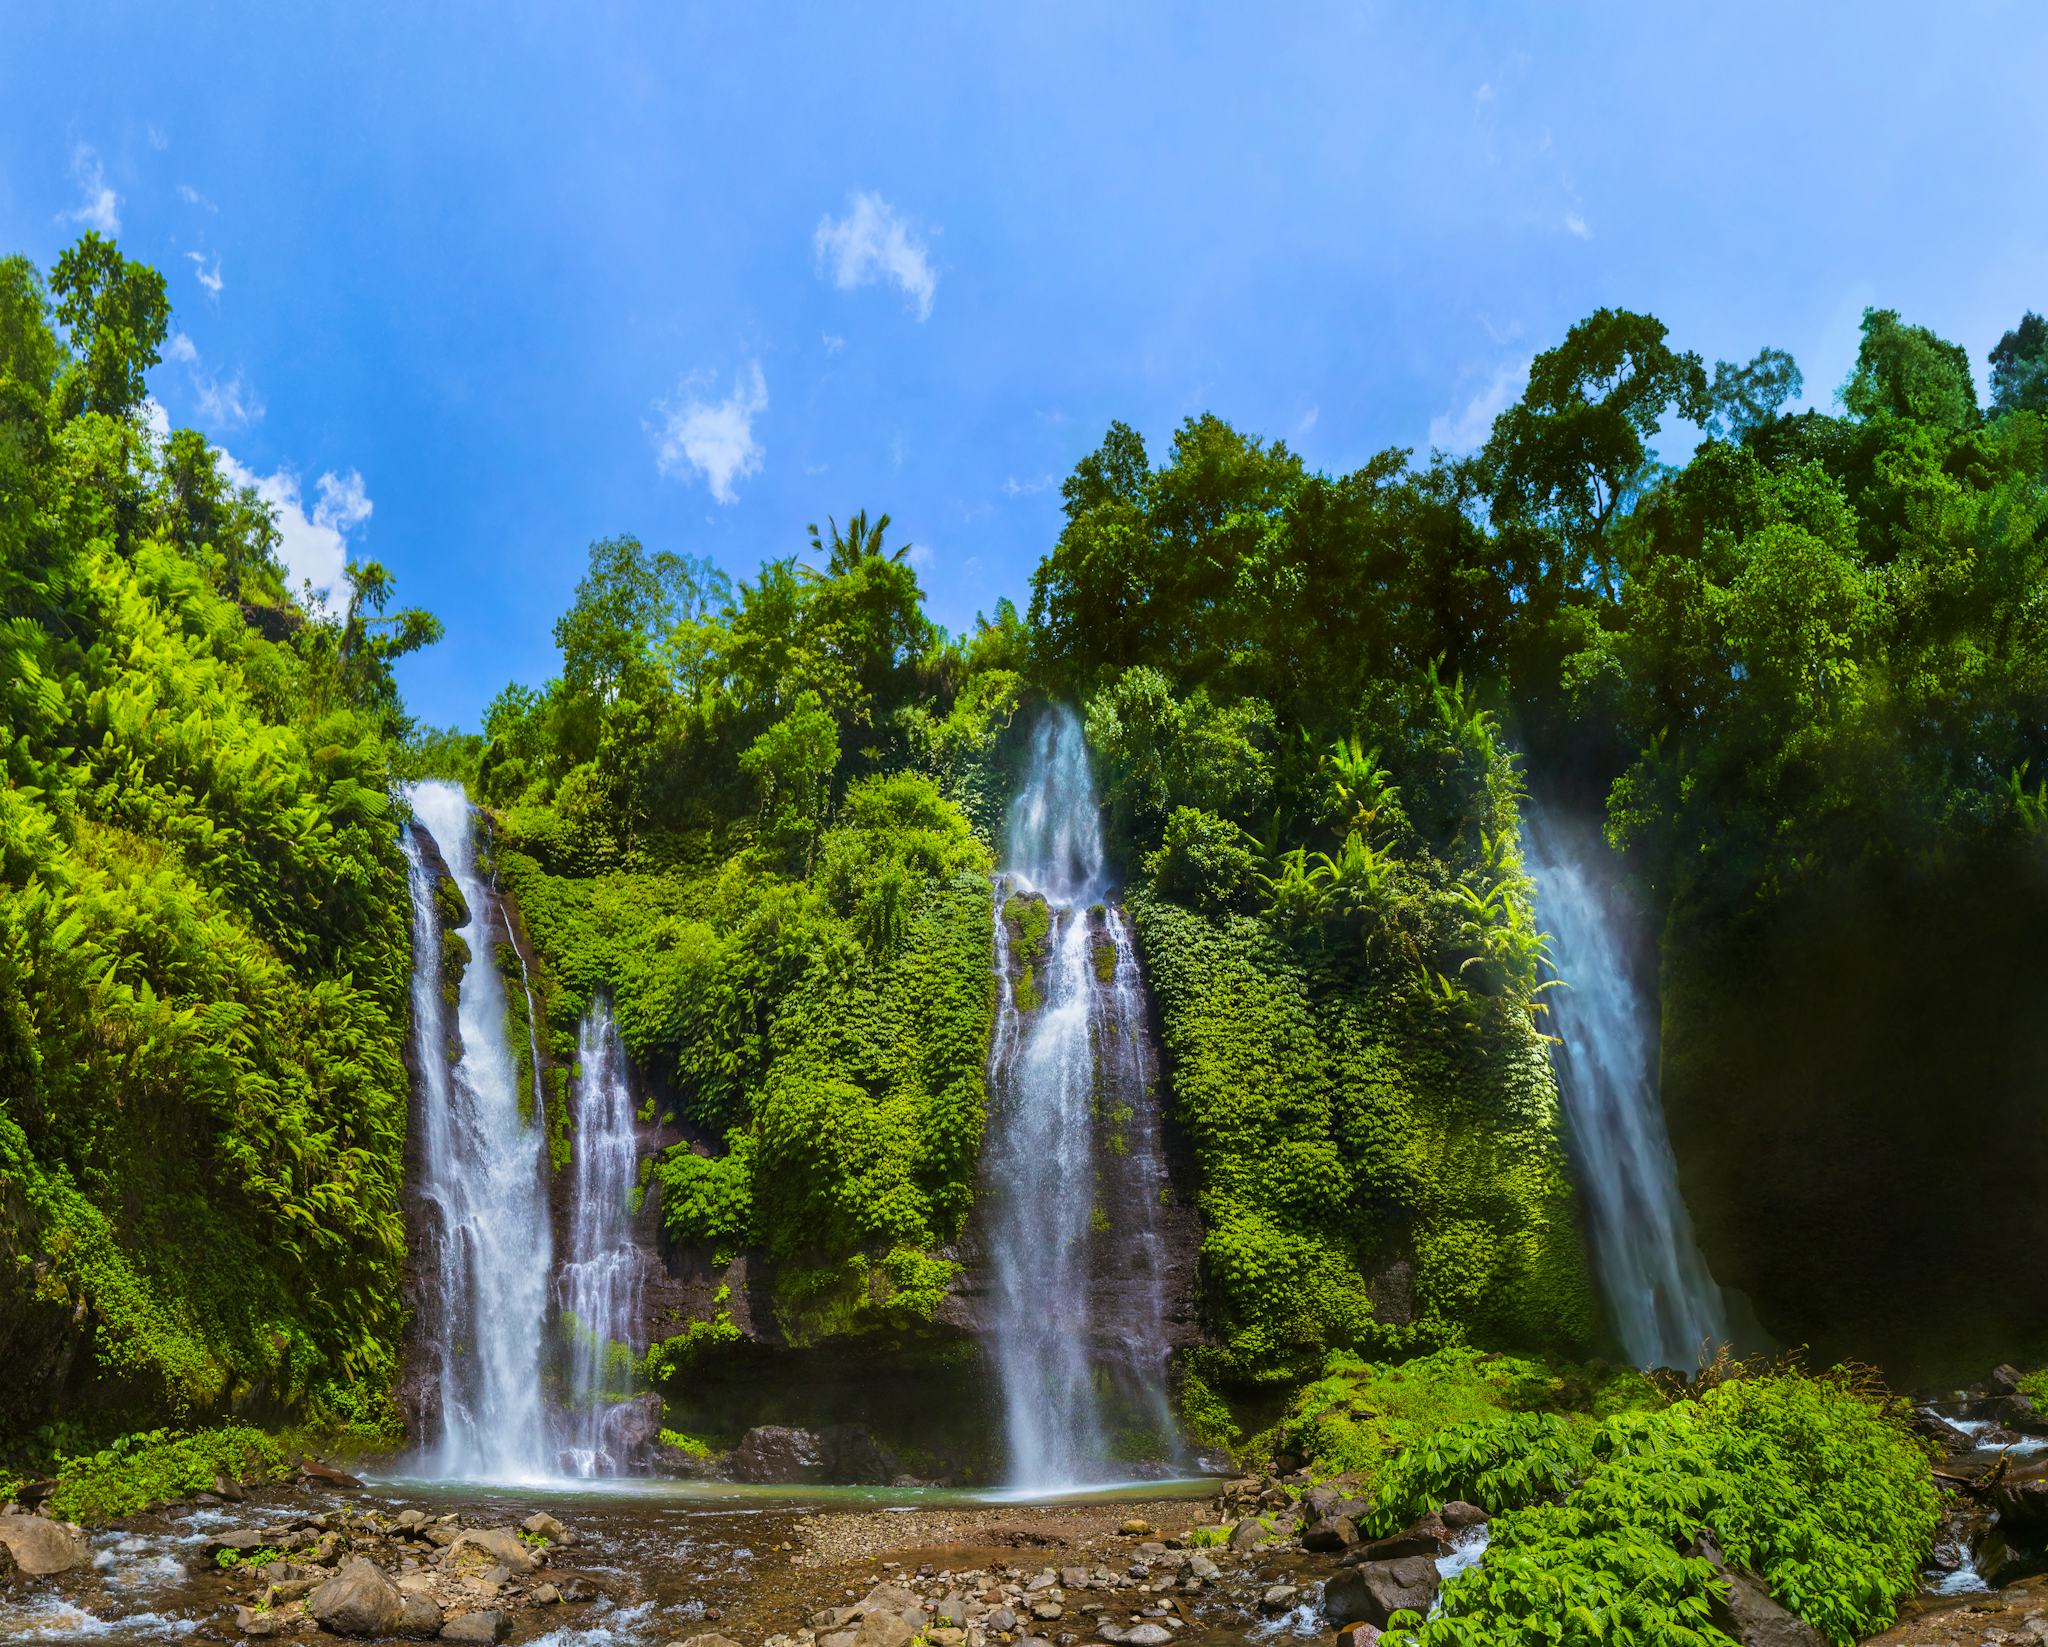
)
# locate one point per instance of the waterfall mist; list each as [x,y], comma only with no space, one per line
[1665,1306]
[1078,1333]
[599,1287]
[480,1173]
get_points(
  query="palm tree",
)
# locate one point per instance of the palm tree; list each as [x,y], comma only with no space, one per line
[849,548]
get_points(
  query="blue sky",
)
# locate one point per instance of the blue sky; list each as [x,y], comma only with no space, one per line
[466,286]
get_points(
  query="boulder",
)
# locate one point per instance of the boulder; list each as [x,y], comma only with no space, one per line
[893,1599]
[777,1452]
[2005,1379]
[1358,1634]
[1374,1591]
[1428,1537]
[419,1614]
[1147,1635]
[41,1546]
[357,1601]
[1249,1534]
[241,1540]
[1458,1515]
[2021,1499]
[482,1627]
[1748,1613]
[326,1475]
[1330,1535]
[494,1547]
[543,1525]
[261,1624]
[1200,1567]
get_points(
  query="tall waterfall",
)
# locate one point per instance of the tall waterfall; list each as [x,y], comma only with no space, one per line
[481,1173]
[1078,1336]
[599,1287]
[1665,1305]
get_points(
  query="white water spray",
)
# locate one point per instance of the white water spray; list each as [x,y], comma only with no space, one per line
[1666,1308]
[599,1287]
[481,1173]
[1066,1229]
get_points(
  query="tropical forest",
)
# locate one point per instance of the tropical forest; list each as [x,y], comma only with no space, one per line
[1437,1050]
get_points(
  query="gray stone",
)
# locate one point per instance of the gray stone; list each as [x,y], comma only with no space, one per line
[1279,1598]
[41,1546]
[418,1615]
[1201,1567]
[260,1624]
[1249,1534]
[1749,1614]
[545,1526]
[884,1630]
[1147,1635]
[1458,1515]
[496,1546]
[544,1595]
[1374,1591]
[1330,1535]
[890,1598]
[239,1539]
[357,1601]
[710,1638]
[1003,1619]
[483,1627]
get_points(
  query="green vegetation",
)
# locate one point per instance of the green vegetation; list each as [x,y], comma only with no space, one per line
[1815,1484]
[1359,1414]
[203,935]
[141,1471]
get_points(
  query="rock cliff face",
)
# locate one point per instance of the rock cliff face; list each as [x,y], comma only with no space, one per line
[1861,1129]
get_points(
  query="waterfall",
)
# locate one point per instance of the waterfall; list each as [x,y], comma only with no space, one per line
[1666,1307]
[599,1287]
[481,1172]
[1078,1331]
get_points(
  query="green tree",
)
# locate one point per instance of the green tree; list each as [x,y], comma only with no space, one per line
[1744,397]
[2019,367]
[117,314]
[1907,372]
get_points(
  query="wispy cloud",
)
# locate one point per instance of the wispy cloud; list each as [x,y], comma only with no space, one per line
[222,403]
[313,546]
[209,277]
[192,197]
[713,438]
[100,207]
[833,343]
[1308,420]
[1576,225]
[226,403]
[1466,429]
[159,139]
[874,242]
[1027,488]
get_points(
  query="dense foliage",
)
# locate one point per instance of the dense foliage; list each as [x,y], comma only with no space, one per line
[203,947]
[1813,1484]
[749,822]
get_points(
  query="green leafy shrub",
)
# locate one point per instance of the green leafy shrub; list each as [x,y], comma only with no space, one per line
[139,1472]
[1815,1484]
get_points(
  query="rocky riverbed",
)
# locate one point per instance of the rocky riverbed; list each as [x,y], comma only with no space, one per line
[1274,1561]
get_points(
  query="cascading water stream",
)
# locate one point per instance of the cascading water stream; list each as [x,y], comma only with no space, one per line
[1666,1307]
[599,1288]
[481,1172]
[1070,1056]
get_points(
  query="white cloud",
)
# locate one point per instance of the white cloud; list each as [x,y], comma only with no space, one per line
[100,208]
[1309,419]
[872,242]
[209,278]
[919,556]
[1027,488]
[156,417]
[226,403]
[182,349]
[713,438]
[192,197]
[344,504]
[1466,429]
[159,139]
[834,343]
[1576,225]
[314,548]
